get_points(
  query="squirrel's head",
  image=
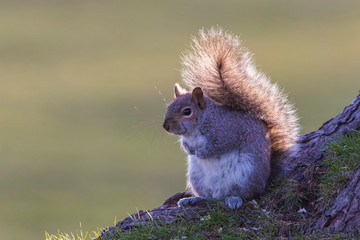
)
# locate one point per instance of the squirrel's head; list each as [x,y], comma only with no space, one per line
[185,111]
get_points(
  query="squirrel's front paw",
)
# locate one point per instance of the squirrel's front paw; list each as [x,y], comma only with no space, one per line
[190,201]
[233,202]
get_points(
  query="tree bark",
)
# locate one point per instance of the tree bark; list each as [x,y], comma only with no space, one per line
[344,212]
[341,215]
[311,145]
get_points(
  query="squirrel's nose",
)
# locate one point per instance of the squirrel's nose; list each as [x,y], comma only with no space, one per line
[166,126]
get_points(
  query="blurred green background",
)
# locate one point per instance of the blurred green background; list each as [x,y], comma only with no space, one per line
[84,87]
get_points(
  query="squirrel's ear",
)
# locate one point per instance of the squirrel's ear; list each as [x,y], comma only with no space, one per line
[178,91]
[198,97]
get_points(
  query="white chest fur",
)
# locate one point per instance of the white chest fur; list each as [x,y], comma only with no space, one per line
[222,176]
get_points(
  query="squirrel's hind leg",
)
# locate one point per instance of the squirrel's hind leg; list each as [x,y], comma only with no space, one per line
[191,201]
[233,202]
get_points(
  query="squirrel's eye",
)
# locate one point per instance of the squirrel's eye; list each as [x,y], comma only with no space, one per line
[187,111]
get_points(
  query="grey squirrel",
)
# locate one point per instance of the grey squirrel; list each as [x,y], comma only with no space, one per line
[237,127]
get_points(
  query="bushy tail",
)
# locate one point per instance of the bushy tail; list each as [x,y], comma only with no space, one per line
[225,71]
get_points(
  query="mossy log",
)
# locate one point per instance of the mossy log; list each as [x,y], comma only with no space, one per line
[342,214]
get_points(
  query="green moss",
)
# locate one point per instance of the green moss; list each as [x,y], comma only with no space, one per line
[343,157]
[284,195]
[250,222]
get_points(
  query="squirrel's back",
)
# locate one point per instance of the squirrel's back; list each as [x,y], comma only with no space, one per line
[225,71]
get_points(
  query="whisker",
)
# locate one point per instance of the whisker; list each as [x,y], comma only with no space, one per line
[159,92]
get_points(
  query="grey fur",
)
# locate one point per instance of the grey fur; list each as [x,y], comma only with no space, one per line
[237,127]
[229,151]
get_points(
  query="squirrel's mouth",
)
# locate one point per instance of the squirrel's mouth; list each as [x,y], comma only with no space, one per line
[175,129]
